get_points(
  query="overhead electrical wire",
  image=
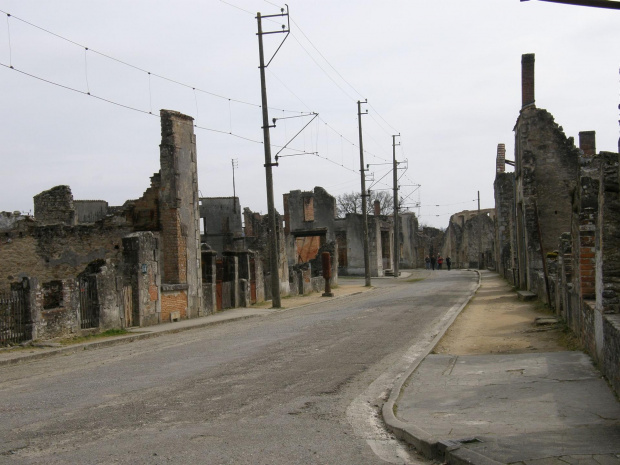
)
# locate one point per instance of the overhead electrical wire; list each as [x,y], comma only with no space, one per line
[138,68]
[193,88]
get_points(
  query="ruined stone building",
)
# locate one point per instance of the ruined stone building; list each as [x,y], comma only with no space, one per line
[82,265]
[410,243]
[557,229]
[469,239]
[349,236]
[430,241]
[222,225]
[256,229]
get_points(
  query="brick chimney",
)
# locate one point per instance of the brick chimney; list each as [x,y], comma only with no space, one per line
[377,205]
[587,143]
[527,80]
[501,158]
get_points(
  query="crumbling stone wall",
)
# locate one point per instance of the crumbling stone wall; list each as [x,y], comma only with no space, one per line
[54,252]
[55,206]
[430,240]
[546,170]
[409,242]
[90,211]
[504,190]
[221,217]
[257,240]
[469,238]
[310,211]
[60,320]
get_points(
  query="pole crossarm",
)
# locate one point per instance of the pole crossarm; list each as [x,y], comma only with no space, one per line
[285,29]
[300,131]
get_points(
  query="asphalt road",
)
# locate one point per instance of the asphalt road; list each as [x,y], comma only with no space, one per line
[301,386]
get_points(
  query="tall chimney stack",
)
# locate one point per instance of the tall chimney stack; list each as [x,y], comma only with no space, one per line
[501,159]
[587,143]
[527,80]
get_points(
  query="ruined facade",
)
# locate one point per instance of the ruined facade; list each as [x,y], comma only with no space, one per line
[557,229]
[222,225]
[349,235]
[469,239]
[309,220]
[410,245]
[430,240]
[81,265]
[504,189]
[546,169]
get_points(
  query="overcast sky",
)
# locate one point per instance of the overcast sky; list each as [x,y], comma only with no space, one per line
[445,74]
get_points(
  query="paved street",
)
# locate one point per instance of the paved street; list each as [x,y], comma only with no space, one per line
[298,386]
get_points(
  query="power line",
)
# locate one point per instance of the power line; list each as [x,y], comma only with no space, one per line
[138,68]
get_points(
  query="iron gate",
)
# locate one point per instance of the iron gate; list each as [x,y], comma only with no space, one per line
[89,303]
[14,322]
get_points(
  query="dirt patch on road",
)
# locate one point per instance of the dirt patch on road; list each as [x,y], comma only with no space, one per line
[496,322]
[313,297]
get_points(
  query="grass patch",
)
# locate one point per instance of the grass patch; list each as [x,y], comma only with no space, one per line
[90,337]
[415,280]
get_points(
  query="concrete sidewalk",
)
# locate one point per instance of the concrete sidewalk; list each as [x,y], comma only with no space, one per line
[528,408]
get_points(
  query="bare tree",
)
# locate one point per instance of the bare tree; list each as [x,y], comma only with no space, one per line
[352,203]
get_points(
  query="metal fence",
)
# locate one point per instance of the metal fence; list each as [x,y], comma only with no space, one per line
[15,324]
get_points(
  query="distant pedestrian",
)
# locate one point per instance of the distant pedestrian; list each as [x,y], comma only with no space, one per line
[439,262]
[433,261]
[448,263]
[427,262]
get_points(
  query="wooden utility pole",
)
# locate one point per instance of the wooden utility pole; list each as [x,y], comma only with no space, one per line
[273,230]
[364,198]
[396,258]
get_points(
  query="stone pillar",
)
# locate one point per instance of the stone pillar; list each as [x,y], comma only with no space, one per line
[377,207]
[143,275]
[587,143]
[527,80]
[179,211]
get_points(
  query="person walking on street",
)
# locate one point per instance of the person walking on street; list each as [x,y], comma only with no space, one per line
[433,261]
[427,262]
[448,263]
[439,262]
